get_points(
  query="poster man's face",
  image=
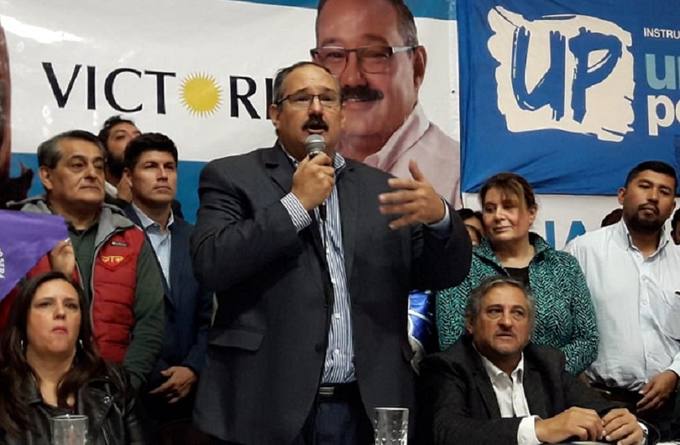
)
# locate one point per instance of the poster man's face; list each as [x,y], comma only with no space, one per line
[376,103]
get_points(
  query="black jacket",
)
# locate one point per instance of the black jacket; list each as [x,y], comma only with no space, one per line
[463,405]
[112,413]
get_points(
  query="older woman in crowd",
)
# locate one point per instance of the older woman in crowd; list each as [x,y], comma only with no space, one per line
[49,368]
[565,317]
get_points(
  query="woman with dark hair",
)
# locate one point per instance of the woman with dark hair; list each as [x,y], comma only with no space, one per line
[49,367]
[565,317]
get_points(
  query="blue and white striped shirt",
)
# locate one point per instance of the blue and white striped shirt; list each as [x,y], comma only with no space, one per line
[339,362]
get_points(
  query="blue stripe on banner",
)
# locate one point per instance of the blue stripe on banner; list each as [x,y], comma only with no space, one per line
[433,9]
[187,188]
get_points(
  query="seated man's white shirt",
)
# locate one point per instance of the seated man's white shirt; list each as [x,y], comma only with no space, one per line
[511,399]
[637,305]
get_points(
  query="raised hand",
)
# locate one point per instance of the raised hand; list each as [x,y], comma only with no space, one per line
[414,199]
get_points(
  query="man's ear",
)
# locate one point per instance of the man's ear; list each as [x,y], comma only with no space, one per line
[621,194]
[274,115]
[468,326]
[127,177]
[46,178]
[419,65]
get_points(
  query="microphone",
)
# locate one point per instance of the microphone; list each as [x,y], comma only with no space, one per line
[315,144]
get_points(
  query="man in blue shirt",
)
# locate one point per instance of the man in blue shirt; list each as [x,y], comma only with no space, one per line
[151,173]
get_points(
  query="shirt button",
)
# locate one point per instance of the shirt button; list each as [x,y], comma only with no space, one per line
[336,351]
[336,316]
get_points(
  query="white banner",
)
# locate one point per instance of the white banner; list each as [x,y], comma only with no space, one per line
[198,72]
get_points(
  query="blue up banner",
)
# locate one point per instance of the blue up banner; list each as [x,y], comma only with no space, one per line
[570,94]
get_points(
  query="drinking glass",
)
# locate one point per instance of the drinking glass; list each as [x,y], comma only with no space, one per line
[69,429]
[391,426]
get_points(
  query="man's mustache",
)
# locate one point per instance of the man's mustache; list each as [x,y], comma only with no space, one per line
[362,93]
[315,123]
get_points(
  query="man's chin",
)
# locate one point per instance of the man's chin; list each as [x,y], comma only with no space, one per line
[88,205]
[645,225]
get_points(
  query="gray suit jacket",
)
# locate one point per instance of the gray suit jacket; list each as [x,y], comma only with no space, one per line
[462,404]
[267,346]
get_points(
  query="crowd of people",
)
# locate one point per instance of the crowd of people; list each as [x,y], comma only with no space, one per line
[281,316]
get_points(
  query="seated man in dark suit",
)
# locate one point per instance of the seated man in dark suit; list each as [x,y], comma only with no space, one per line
[494,387]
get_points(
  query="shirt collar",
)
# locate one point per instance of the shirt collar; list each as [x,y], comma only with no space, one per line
[148,222]
[494,372]
[624,236]
[413,128]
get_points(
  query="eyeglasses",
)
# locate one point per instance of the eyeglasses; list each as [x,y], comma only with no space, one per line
[371,59]
[301,100]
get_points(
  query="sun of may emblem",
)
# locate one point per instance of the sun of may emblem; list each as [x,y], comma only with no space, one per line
[201,94]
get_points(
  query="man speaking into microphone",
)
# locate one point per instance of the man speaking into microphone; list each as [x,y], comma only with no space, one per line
[310,330]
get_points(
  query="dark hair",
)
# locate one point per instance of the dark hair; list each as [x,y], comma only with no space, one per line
[612,217]
[148,142]
[676,219]
[655,166]
[406,24]
[49,153]
[277,89]
[108,126]
[474,304]
[510,184]
[466,213]
[15,370]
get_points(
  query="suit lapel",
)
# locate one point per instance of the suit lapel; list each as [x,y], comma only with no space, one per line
[488,395]
[482,381]
[279,167]
[533,391]
[349,188]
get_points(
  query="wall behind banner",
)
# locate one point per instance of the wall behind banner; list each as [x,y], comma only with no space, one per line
[200,73]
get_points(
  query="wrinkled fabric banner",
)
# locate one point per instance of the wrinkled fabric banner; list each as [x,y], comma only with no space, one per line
[24,239]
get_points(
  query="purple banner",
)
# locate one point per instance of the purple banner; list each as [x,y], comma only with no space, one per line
[24,239]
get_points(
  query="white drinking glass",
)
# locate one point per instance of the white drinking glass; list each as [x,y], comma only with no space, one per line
[69,429]
[391,426]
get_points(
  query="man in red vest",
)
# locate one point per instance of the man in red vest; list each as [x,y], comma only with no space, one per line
[105,251]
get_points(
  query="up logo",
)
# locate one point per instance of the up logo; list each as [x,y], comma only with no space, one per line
[572,73]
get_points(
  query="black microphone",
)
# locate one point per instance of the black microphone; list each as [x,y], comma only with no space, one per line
[315,144]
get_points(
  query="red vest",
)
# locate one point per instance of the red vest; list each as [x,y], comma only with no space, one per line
[114,281]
